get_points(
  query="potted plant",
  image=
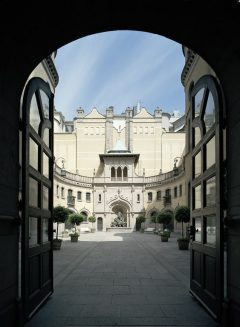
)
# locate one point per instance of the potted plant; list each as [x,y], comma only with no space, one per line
[182,214]
[139,220]
[76,219]
[92,219]
[164,235]
[60,215]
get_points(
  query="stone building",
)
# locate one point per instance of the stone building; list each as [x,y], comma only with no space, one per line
[118,164]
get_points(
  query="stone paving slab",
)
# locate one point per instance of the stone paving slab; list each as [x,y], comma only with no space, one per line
[114,279]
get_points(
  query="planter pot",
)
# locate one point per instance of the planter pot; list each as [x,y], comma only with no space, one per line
[183,244]
[164,238]
[74,238]
[57,244]
[93,230]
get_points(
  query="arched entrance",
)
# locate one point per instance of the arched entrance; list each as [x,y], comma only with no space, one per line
[99,224]
[120,216]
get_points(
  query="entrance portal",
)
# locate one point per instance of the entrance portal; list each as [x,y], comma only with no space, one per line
[99,224]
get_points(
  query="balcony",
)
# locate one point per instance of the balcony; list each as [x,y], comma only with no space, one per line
[71,201]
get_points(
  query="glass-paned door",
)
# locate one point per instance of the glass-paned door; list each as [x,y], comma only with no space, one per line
[206,282]
[37,256]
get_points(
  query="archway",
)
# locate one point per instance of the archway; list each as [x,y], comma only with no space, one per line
[221,24]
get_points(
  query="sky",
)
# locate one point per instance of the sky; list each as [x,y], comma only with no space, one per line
[119,69]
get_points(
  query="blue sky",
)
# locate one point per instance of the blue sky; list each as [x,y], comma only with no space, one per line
[119,69]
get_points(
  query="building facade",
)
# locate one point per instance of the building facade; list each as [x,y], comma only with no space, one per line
[110,165]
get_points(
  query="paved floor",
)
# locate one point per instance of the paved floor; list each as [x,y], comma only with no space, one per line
[130,279]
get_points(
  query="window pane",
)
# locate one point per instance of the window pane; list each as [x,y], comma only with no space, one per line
[34,118]
[33,192]
[46,136]
[33,231]
[45,103]
[45,197]
[211,192]
[198,102]
[33,154]
[198,228]
[45,234]
[196,136]
[210,153]
[211,230]
[45,165]
[209,115]
[197,197]
[197,165]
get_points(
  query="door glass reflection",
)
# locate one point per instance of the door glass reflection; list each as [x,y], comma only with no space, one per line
[197,165]
[33,231]
[197,197]
[45,165]
[45,234]
[210,153]
[34,118]
[45,103]
[198,102]
[198,229]
[33,192]
[211,230]
[211,192]
[33,154]
[45,197]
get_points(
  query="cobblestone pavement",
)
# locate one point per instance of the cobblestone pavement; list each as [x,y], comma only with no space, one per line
[121,279]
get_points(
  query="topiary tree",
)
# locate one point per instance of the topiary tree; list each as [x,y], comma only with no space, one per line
[92,219]
[165,217]
[182,214]
[76,219]
[60,215]
[154,219]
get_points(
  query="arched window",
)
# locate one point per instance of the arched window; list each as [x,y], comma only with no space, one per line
[113,174]
[125,174]
[119,174]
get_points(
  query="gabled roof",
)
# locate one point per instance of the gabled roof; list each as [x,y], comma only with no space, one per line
[143,114]
[94,114]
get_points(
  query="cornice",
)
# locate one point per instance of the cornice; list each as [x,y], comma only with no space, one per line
[191,55]
[52,70]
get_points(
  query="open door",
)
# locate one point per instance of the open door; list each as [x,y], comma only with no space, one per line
[37,196]
[206,282]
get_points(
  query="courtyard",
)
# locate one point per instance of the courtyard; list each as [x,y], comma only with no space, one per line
[121,279]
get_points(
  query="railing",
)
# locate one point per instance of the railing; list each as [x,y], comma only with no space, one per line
[73,177]
[141,179]
[160,178]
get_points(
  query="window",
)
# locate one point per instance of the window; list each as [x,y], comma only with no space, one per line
[62,192]
[180,190]
[113,174]
[149,196]
[57,190]
[70,192]
[175,192]
[79,196]
[119,174]
[138,197]
[168,192]
[88,197]
[159,195]
[125,174]
[99,197]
